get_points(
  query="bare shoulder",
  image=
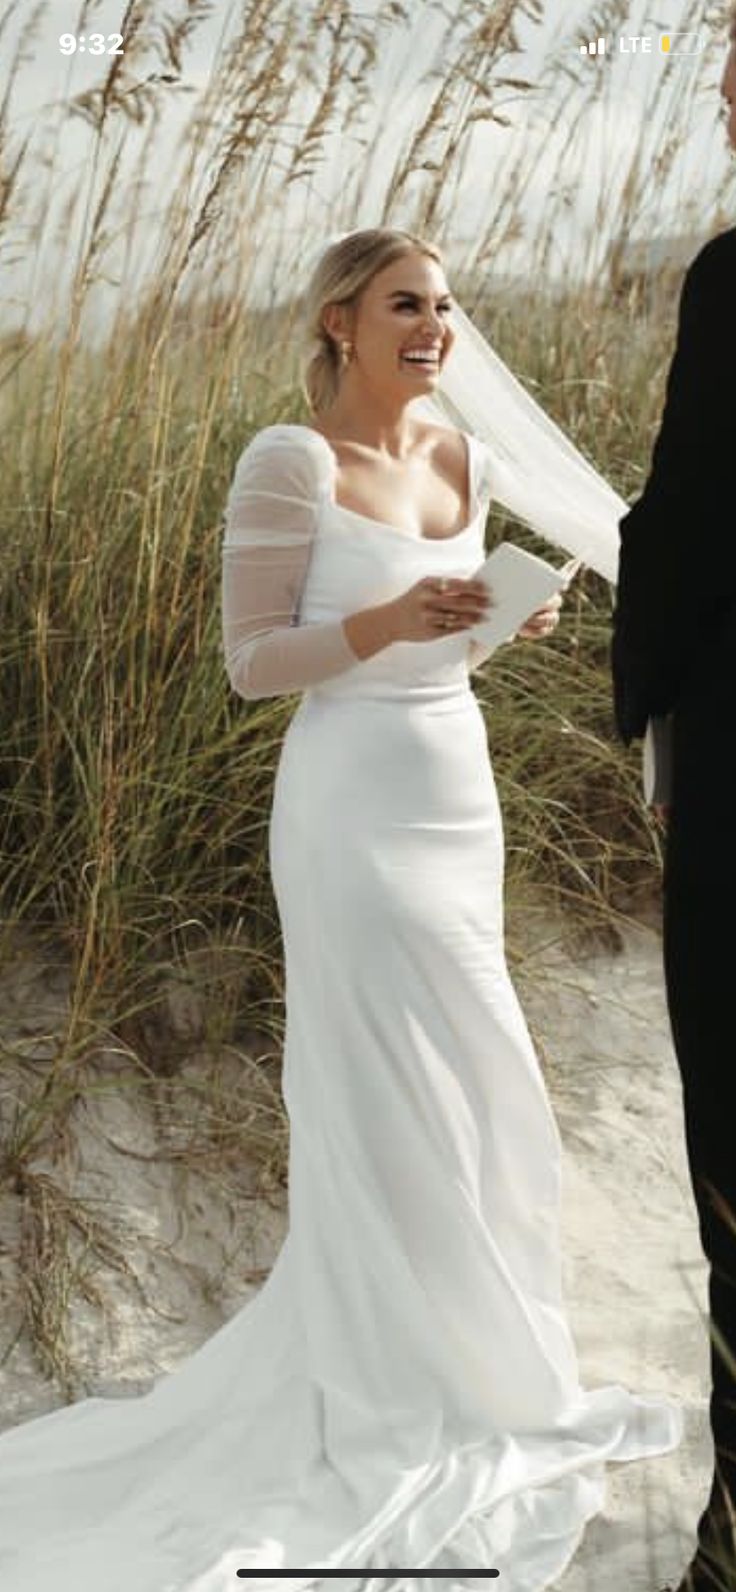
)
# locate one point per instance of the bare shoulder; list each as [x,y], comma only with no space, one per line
[445,443]
[451,454]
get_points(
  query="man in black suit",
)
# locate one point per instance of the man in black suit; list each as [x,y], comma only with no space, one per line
[674,651]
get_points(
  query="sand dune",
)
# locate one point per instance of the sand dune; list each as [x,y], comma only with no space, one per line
[199,1244]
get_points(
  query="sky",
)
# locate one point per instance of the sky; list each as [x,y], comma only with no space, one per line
[574,148]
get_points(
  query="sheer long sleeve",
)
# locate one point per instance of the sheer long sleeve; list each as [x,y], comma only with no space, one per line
[270,522]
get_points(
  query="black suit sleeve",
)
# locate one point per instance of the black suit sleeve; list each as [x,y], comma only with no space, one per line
[676,564]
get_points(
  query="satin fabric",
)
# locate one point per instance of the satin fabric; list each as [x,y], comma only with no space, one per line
[403,1393]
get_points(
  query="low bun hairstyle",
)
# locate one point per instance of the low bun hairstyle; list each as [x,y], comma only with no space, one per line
[341,274]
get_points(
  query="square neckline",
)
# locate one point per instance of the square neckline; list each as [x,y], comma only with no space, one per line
[398,530]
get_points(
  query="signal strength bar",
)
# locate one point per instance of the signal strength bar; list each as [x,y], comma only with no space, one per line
[595,47]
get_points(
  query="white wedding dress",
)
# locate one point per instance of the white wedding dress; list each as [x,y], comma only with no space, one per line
[402,1394]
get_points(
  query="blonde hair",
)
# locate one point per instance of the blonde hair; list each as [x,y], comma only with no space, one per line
[340,276]
[732,26]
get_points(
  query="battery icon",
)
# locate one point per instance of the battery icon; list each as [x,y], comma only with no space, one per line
[681,43]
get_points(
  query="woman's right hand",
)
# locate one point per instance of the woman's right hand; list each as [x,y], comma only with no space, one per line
[438,606]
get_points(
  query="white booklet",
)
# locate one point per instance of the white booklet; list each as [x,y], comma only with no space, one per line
[519,583]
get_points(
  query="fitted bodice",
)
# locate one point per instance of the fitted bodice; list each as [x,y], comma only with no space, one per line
[357,561]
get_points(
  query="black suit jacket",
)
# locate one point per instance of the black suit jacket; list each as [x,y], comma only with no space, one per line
[677,566]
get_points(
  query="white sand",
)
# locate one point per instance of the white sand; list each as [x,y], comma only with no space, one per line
[634,1272]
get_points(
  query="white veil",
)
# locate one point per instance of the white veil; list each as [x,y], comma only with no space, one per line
[539,476]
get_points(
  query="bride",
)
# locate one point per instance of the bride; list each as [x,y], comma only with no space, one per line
[403,1394]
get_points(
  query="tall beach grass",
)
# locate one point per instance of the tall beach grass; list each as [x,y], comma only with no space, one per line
[135,788]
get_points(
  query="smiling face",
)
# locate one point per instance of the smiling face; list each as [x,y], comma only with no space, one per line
[400,329]
[728,90]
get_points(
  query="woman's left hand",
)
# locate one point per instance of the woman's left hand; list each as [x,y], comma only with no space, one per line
[543,621]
